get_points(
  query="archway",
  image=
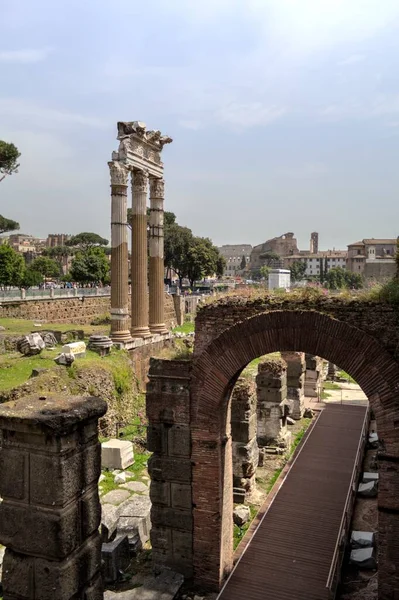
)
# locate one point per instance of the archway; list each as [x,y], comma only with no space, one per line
[214,373]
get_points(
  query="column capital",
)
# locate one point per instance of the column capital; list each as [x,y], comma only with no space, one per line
[139,180]
[157,187]
[119,173]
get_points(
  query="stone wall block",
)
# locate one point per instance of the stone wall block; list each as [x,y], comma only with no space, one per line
[13,462]
[90,513]
[271,395]
[161,538]
[160,493]
[171,517]
[91,464]
[179,441]
[181,496]
[244,430]
[55,482]
[169,469]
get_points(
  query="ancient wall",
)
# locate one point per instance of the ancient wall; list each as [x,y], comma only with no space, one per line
[79,310]
[377,319]
[243,431]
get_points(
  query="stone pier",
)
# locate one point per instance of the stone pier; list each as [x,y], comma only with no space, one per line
[243,431]
[313,376]
[49,468]
[138,260]
[296,368]
[273,407]
[332,371]
[120,318]
[168,412]
[156,247]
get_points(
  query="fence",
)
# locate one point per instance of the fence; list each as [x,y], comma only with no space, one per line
[43,294]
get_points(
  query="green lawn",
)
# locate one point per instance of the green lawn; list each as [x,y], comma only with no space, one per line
[137,470]
[24,326]
[187,327]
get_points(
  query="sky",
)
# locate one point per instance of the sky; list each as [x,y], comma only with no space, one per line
[284,113]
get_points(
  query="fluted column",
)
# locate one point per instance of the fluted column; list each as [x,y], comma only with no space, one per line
[157,268]
[139,261]
[119,254]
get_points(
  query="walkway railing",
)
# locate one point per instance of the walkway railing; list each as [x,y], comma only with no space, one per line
[49,293]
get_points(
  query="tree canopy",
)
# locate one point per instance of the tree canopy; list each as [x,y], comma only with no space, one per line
[12,267]
[90,266]
[47,267]
[298,270]
[243,263]
[270,257]
[338,278]
[9,156]
[86,240]
[7,225]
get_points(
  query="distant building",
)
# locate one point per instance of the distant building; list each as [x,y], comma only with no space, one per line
[314,242]
[283,245]
[233,255]
[325,260]
[57,239]
[22,243]
[373,258]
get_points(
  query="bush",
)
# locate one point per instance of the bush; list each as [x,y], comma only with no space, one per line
[104,319]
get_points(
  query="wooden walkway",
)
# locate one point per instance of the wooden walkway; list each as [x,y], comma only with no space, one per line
[293,552]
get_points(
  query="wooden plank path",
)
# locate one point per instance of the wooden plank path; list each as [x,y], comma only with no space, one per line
[293,548]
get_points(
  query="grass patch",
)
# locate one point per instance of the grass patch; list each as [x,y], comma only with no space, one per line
[136,472]
[252,368]
[239,532]
[24,326]
[346,376]
[187,327]
[16,368]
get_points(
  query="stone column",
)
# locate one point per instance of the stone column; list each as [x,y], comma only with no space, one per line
[273,408]
[312,377]
[139,261]
[50,463]
[157,267]
[243,431]
[296,368]
[119,254]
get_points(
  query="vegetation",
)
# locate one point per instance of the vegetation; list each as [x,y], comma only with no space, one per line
[86,240]
[7,224]
[9,156]
[243,263]
[90,266]
[298,270]
[12,267]
[338,278]
[187,327]
[47,267]
[270,257]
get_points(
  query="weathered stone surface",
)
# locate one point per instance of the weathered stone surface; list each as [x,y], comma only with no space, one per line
[117,454]
[162,587]
[32,344]
[116,558]
[135,486]
[241,515]
[116,497]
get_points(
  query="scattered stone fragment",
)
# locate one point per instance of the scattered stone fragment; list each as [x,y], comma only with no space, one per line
[49,339]
[101,478]
[120,478]
[64,359]
[241,515]
[308,414]
[31,344]
[163,587]
[368,490]
[115,497]
[117,454]
[78,349]
[290,421]
[2,328]
[363,558]
[368,476]
[373,440]
[101,344]
[362,539]
[134,520]
[239,495]
[36,372]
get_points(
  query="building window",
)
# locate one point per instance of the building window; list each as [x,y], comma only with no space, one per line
[359,251]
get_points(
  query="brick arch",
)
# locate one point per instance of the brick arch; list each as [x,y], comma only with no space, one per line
[214,373]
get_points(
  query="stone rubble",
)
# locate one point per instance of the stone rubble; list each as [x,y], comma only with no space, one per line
[31,344]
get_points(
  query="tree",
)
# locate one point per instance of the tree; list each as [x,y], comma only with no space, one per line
[270,257]
[59,254]
[177,242]
[243,263]
[30,278]
[47,267]
[298,270]
[12,267]
[9,156]
[7,225]
[264,271]
[169,218]
[220,266]
[338,278]
[90,266]
[86,240]
[202,259]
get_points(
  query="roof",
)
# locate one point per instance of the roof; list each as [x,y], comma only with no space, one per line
[381,241]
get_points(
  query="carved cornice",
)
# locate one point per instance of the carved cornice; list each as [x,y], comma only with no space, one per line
[157,188]
[119,173]
[138,130]
[139,181]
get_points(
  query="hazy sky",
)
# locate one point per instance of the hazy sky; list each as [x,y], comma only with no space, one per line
[284,113]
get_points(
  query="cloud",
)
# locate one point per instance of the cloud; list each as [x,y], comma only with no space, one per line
[193,125]
[25,110]
[352,60]
[305,171]
[26,56]
[251,114]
